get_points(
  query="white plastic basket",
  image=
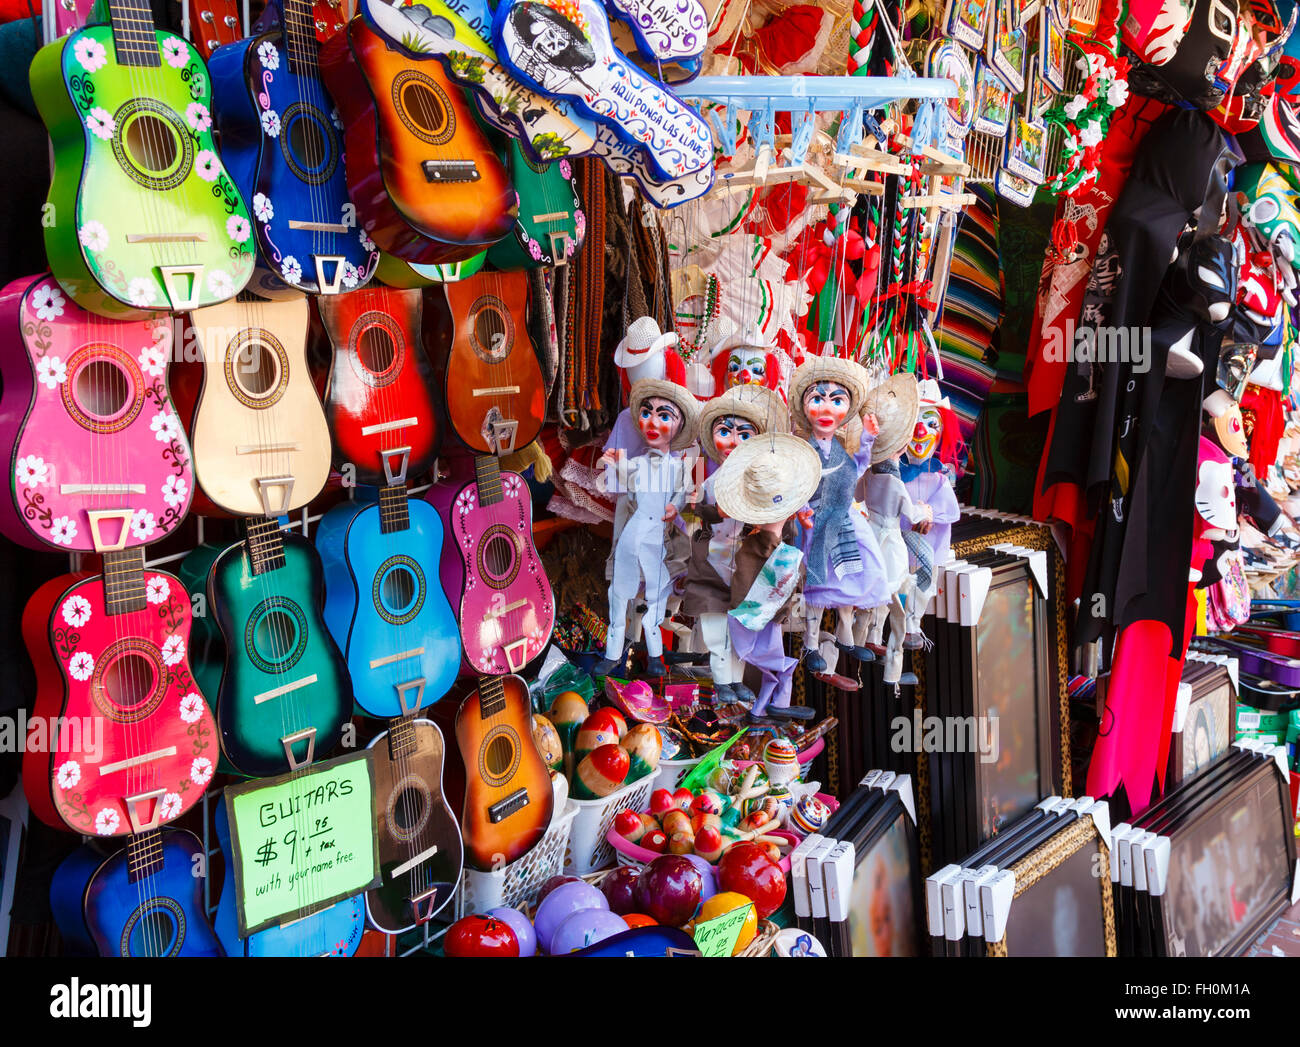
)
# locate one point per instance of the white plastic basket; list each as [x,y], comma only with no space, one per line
[518,883]
[588,849]
[671,773]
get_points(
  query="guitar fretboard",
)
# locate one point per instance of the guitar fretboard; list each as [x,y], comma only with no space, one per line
[144,856]
[265,544]
[491,696]
[300,36]
[488,471]
[133,33]
[393,512]
[401,737]
[124,581]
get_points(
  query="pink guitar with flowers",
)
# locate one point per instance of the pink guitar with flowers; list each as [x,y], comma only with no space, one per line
[98,457]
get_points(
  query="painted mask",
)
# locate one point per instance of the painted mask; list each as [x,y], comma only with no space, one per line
[1231,432]
[926,433]
[747,365]
[827,405]
[659,420]
[729,432]
[1216,498]
[1267,206]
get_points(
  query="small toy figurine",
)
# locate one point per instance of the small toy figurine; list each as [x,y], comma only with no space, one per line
[644,352]
[653,488]
[844,566]
[894,404]
[764,483]
[725,423]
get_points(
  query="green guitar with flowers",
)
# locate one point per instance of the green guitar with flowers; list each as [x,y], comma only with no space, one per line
[142,215]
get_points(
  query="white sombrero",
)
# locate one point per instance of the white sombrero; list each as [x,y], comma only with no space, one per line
[767,479]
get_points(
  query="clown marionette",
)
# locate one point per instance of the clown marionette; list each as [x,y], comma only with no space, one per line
[844,566]
[651,489]
[763,484]
[745,358]
[894,404]
[725,423]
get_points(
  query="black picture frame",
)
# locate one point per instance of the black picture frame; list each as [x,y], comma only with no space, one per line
[1208,725]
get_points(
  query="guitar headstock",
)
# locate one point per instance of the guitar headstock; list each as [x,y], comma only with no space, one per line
[214,23]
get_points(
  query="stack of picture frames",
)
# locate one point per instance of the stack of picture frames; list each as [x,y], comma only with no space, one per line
[1204,718]
[984,733]
[856,885]
[1036,889]
[1210,866]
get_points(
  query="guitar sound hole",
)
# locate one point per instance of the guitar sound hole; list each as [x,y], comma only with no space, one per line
[257,369]
[154,934]
[129,681]
[424,107]
[499,557]
[151,143]
[102,389]
[490,334]
[499,755]
[376,349]
[408,809]
[276,635]
[307,140]
[399,589]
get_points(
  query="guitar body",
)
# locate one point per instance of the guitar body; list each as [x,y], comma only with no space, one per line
[162,915]
[258,415]
[394,272]
[411,818]
[507,609]
[386,608]
[335,931]
[86,412]
[128,676]
[427,184]
[492,369]
[283,673]
[134,157]
[281,138]
[381,387]
[551,221]
[501,762]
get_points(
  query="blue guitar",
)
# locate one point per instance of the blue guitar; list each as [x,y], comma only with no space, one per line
[335,931]
[143,900]
[282,142]
[384,602]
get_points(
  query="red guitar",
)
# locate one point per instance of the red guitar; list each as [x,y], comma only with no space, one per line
[380,399]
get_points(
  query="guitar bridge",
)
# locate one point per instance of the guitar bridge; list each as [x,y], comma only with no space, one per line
[503,809]
[450,170]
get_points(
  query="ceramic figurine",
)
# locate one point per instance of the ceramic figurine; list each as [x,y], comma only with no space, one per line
[725,423]
[652,489]
[763,484]
[843,562]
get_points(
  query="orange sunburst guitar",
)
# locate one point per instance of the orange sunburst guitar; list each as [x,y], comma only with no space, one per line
[508,797]
[426,183]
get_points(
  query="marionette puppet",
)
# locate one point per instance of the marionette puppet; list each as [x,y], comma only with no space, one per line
[644,352]
[845,569]
[652,488]
[764,484]
[725,423]
[743,358]
[894,404]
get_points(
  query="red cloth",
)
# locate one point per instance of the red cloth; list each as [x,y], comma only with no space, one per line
[1266,406]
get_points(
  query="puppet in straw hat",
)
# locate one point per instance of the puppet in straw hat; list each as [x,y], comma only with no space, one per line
[726,422]
[765,483]
[844,566]
[651,490]
[894,403]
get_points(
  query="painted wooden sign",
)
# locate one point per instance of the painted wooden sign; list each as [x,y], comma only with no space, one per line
[665,30]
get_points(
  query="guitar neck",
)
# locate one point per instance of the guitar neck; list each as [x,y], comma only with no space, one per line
[487,471]
[491,696]
[393,512]
[265,544]
[300,36]
[401,737]
[124,581]
[133,33]
[144,856]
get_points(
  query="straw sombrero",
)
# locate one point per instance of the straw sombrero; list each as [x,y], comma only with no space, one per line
[646,388]
[768,479]
[895,403]
[815,369]
[754,403]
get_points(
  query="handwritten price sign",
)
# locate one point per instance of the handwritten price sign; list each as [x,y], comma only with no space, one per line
[718,937]
[302,841]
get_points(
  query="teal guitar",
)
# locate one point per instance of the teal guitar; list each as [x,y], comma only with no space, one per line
[384,602]
[335,931]
[285,693]
[551,224]
[145,216]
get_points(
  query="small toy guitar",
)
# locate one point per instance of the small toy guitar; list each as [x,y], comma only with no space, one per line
[551,223]
[213,23]
[92,429]
[148,219]
[393,272]
[569,53]
[427,185]
[281,138]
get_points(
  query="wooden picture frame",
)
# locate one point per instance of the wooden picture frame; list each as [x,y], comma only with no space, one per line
[967,21]
[1208,724]
[1051,47]
[1006,47]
